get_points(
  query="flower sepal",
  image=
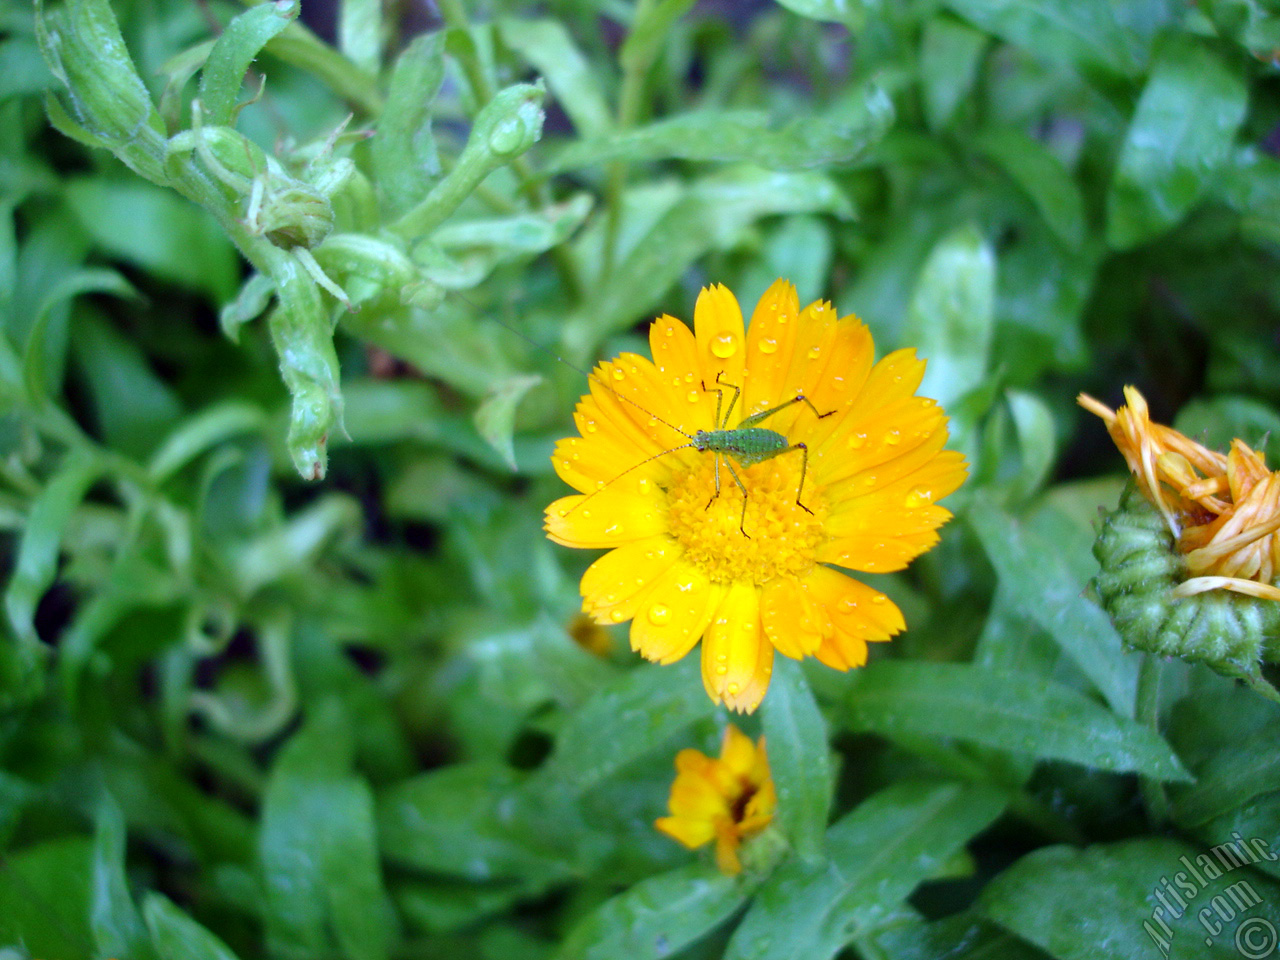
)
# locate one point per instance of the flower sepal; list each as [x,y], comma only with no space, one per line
[761,854]
[1141,568]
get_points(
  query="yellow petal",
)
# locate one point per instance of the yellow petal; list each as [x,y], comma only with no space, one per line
[611,518]
[736,657]
[676,615]
[718,328]
[619,583]
[792,622]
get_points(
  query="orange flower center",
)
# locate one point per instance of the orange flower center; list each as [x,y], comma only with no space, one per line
[782,537]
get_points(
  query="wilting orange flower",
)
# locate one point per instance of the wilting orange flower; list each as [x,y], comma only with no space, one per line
[726,800]
[689,559]
[1223,510]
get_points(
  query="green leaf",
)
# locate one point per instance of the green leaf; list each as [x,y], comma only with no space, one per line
[471,820]
[44,357]
[201,432]
[876,856]
[156,230]
[360,30]
[318,850]
[852,13]
[1231,778]
[1259,817]
[118,929]
[131,404]
[44,898]
[628,719]
[950,53]
[1111,36]
[1041,585]
[1126,895]
[649,32]
[237,47]
[952,314]
[711,215]
[1041,174]
[405,161]
[799,757]
[657,917]
[495,417]
[177,936]
[549,48]
[37,562]
[1180,136]
[742,136]
[1037,440]
[1020,713]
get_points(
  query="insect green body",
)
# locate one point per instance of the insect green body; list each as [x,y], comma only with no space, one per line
[749,444]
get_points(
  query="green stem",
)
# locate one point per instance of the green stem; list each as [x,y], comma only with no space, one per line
[1148,712]
[534,188]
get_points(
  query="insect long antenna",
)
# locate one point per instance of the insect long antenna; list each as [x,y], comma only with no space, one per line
[634,466]
[590,376]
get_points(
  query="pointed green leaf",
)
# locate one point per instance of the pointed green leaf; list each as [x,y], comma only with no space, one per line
[799,757]
[177,936]
[1041,585]
[657,917]
[952,314]
[1180,136]
[875,858]
[495,418]
[235,50]
[1010,711]
[1128,896]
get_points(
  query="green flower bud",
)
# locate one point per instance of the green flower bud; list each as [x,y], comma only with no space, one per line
[81,42]
[368,269]
[1141,565]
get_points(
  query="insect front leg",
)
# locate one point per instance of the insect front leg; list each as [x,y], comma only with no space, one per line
[722,422]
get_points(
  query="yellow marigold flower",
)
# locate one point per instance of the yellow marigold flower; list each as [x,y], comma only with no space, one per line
[727,800]
[689,559]
[1223,511]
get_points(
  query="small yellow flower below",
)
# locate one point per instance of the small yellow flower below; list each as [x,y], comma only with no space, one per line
[727,800]
[1223,510]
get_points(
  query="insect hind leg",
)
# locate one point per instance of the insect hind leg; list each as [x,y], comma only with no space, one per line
[804,470]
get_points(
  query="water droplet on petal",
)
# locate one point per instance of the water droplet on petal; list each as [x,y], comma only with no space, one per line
[732,689]
[814,352]
[857,441]
[848,604]
[669,330]
[693,396]
[724,345]
[659,614]
[768,346]
[892,438]
[591,426]
[722,670]
[879,598]
[644,484]
[616,615]
[918,497]
[688,378]
[612,529]
[784,317]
